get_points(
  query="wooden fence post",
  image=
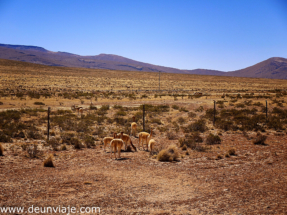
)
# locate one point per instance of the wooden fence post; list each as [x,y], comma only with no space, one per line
[48,125]
[143,118]
[214,114]
[266,112]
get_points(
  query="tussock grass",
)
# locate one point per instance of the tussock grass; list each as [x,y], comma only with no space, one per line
[49,162]
[170,154]
[231,152]
[63,147]
[260,139]
[1,150]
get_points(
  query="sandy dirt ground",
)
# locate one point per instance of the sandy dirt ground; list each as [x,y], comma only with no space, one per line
[252,182]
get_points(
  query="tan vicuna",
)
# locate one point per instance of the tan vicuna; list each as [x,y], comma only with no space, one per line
[151,144]
[133,127]
[144,136]
[78,109]
[116,145]
[127,140]
[107,141]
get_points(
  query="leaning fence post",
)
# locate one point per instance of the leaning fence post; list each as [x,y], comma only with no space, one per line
[48,125]
[143,118]
[214,114]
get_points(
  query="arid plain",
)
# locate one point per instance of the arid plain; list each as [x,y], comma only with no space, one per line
[233,162]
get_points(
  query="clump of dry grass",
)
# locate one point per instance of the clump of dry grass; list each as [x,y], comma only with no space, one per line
[170,154]
[49,162]
[63,147]
[77,143]
[219,157]
[184,148]
[260,139]
[1,150]
[231,152]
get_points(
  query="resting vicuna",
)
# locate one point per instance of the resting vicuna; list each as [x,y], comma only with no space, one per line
[127,140]
[144,136]
[151,144]
[107,141]
[133,127]
[116,145]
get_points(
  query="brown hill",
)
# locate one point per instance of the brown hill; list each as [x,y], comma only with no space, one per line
[274,68]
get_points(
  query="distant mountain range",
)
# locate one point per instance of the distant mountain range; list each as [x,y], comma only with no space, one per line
[274,68]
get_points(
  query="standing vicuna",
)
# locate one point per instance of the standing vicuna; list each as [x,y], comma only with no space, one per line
[116,145]
[127,140]
[144,136]
[78,109]
[151,144]
[107,141]
[133,127]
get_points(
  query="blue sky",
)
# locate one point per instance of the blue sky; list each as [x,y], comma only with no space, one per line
[187,34]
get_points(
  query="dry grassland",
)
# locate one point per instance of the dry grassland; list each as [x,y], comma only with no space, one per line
[237,166]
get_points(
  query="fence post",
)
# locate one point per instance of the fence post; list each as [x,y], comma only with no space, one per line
[266,112]
[48,125]
[143,118]
[214,114]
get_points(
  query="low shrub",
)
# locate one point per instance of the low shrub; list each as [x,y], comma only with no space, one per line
[191,115]
[182,109]
[92,107]
[181,120]
[76,143]
[199,109]
[66,137]
[213,139]
[39,103]
[120,113]
[231,152]
[34,135]
[175,107]
[196,137]
[54,143]
[89,141]
[198,125]
[4,138]
[156,120]
[32,149]
[171,135]
[219,157]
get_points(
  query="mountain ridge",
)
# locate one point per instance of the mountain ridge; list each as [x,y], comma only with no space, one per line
[273,68]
